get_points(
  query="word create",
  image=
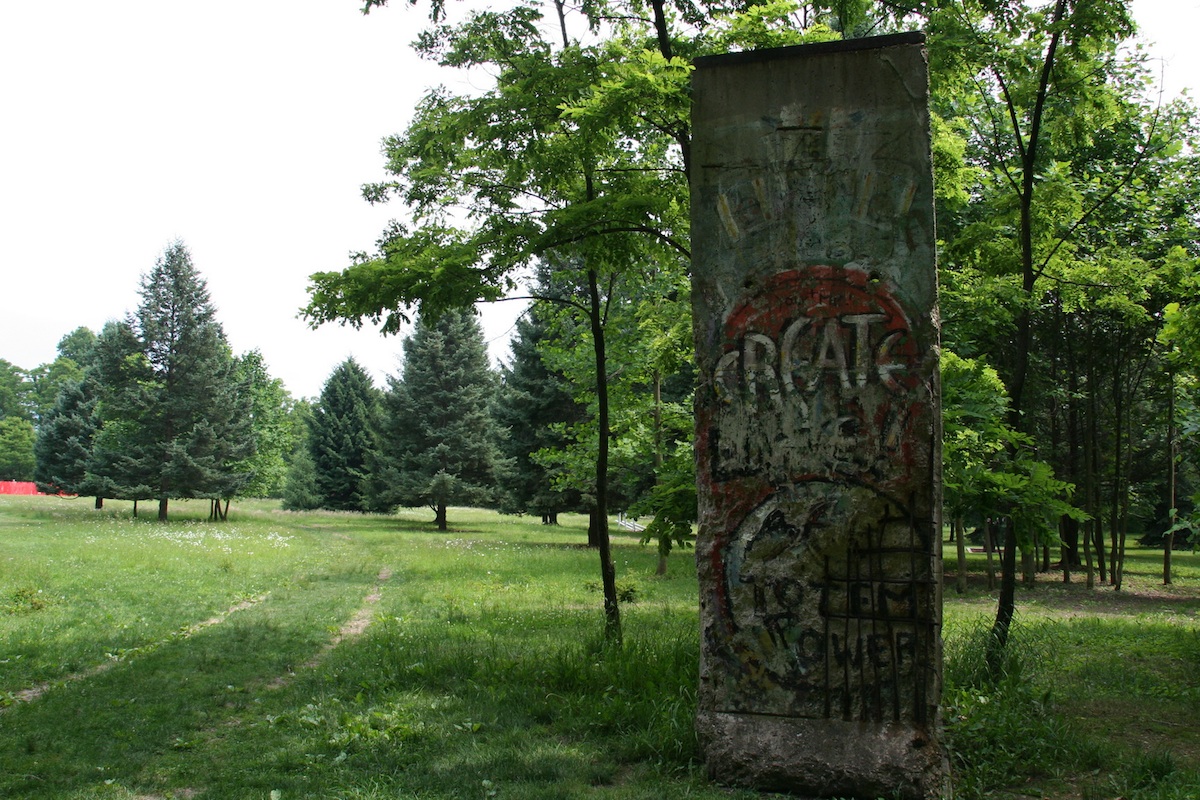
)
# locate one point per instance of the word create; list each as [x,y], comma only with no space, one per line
[809,350]
[829,386]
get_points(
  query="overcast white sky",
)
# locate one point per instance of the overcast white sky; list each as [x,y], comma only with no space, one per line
[246,130]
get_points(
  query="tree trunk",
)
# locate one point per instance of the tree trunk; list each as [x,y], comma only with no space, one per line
[1169,539]
[162,509]
[1114,510]
[1029,147]
[1091,474]
[1087,555]
[99,502]
[1067,524]
[593,529]
[1006,607]
[989,546]
[612,611]
[956,526]
[440,516]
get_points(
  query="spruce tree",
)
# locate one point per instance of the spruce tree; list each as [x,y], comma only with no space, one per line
[123,382]
[176,421]
[439,435]
[343,439]
[533,405]
[300,483]
[64,441]
[300,491]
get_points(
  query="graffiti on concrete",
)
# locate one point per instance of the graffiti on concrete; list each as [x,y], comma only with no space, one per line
[825,598]
[820,375]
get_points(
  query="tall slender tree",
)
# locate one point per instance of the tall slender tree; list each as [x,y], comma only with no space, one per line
[344,439]
[533,407]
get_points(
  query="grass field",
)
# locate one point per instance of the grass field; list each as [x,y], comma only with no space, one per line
[325,655]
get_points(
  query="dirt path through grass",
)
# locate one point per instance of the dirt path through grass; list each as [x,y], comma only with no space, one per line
[353,627]
[34,692]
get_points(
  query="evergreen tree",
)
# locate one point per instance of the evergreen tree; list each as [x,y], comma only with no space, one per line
[534,404]
[343,439]
[441,440]
[123,379]
[64,441]
[177,421]
[300,491]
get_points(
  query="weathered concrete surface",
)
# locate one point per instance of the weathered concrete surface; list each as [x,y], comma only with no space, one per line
[818,441]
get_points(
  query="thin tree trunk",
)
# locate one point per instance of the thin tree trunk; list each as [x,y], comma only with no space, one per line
[1028,145]
[162,509]
[989,545]
[440,517]
[1071,526]
[99,502]
[1066,523]
[612,611]
[956,525]
[1169,539]
[1114,512]
[1006,607]
[1087,555]
[1092,470]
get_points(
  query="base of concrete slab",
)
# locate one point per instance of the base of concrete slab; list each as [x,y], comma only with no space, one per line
[824,758]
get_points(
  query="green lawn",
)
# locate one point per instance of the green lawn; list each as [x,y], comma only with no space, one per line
[326,655]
